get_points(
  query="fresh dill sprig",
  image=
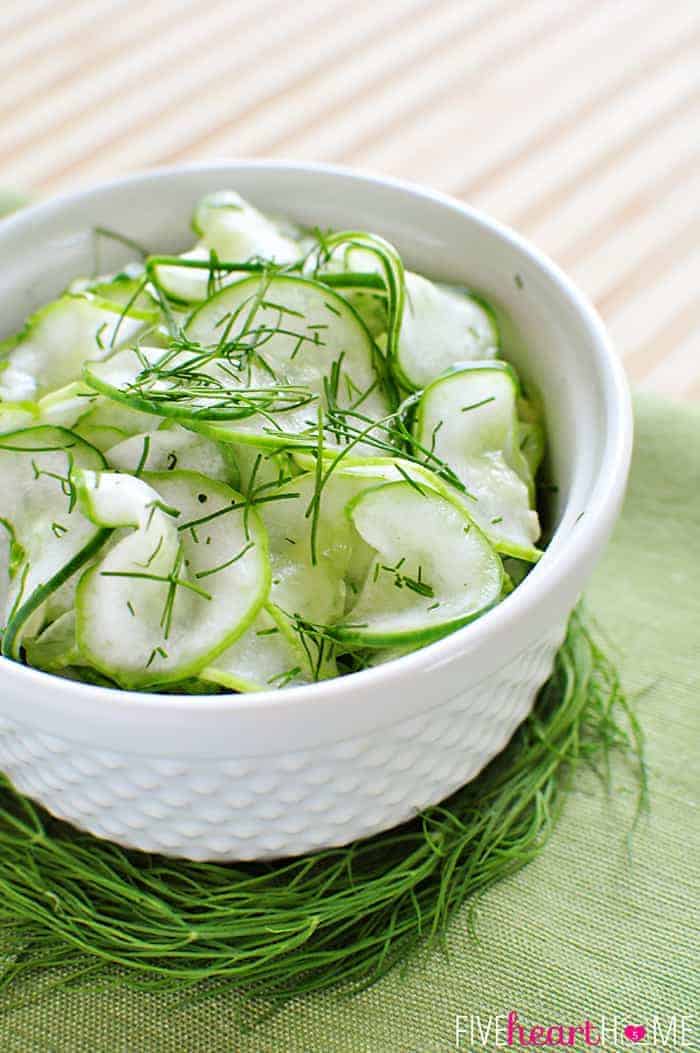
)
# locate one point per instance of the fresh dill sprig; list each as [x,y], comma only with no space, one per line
[316,641]
[391,279]
[228,563]
[389,435]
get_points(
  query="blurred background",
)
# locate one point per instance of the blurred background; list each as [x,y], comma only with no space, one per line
[575,121]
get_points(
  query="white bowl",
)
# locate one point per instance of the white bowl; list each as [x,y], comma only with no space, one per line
[280,773]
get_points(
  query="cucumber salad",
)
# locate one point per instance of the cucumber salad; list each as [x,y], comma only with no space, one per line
[277,458]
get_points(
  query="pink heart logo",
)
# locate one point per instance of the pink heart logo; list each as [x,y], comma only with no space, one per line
[635,1032]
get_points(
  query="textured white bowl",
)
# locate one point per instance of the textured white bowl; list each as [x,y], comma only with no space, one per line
[279,773]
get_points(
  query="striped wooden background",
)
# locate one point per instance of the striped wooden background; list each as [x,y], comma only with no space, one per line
[576,121]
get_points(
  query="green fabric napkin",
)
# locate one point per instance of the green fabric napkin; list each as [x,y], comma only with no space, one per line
[586,932]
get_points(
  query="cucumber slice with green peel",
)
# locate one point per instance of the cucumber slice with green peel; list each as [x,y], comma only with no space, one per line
[258,467]
[15,416]
[374,469]
[7,345]
[128,288]
[51,539]
[260,358]
[85,675]
[185,284]
[235,230]
[313,590]
[371,308]
[317,560]
[65,406]
[180,587]
[532,440]
[106,422]
[433,569]
[294,331]
[387,267]
[375,656]
[441,327]
[468,417]
[350,258]
[62,336]
[99,436]
[382,655]
[5,564]
[174,448]
[55,647]
[516,569]
[96,418]
[268,655]
[232,230]
[531,443]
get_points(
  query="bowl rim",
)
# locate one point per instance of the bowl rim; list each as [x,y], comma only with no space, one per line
[544,580]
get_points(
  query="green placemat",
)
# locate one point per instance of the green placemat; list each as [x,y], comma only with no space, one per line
[584,933]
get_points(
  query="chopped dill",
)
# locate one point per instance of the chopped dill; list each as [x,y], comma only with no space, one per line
[477,405]
[405,580]
[154,653]
[98,336]
[282,679]
[144,455]
[228,563]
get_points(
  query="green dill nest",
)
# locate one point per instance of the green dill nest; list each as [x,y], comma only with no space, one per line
[81,907]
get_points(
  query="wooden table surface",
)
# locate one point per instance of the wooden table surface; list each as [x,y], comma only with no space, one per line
[575,121]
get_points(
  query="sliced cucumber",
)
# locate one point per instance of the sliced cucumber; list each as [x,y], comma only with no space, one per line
[178,589]
[268,655]
[109,421]
[245,379]
[237,231]
[259,467]
[433,569]
[7,344]
[59,338]
[65,406]
[319,561]
[324,350]
[305,583]
[230,229]
[17,415]
[531,437]
[5,563]
[441,327]
[171,448]
[186,284]
[468,418]
[371,305]
[96,418]
[56,646]
[51,538]
[373,470]
[128,288]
